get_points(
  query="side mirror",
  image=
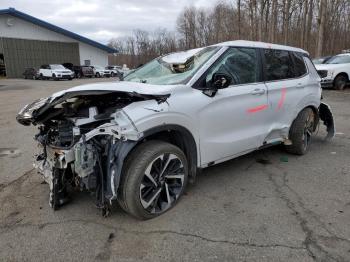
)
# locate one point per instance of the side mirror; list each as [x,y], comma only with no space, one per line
[220,80]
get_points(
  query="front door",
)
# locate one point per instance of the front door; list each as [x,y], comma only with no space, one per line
[234,121]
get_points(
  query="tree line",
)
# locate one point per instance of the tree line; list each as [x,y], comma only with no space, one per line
[322,27]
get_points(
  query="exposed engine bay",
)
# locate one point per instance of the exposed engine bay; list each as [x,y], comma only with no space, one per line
[82,142]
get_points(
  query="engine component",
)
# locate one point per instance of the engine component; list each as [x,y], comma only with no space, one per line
[85,159]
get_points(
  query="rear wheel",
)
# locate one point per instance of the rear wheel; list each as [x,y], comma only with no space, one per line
[301,131]
[97,75]
[154,178]
[340,82]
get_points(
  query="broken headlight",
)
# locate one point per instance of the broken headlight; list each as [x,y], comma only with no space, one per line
[25,115]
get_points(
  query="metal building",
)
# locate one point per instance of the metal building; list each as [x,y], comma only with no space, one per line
[26,41]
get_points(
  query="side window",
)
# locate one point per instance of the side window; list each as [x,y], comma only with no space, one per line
[299,65]
[241,64]
[278,65]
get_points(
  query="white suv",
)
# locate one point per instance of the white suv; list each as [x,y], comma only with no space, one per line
[100,71]
[139,141]
[55,71]
[335,72]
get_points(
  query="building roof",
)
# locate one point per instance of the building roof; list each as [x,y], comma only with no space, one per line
[36,21]
[244,43]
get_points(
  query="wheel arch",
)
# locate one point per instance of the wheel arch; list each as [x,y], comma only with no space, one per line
[342,74]
[178,136]
[314,109]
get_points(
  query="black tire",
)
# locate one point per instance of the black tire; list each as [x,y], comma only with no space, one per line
[112,74]
[78,75]
[340,82]
[98,75]
[54,77]
[300,132]
[41,77]
[130,190]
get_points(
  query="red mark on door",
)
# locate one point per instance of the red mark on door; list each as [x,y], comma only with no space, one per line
[257,109]
[283,97]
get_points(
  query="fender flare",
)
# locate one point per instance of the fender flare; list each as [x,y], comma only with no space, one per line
[189,144]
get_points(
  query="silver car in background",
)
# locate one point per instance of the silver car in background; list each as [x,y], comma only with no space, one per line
[141,140]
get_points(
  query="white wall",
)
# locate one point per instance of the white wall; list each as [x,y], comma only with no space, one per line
[25,30]
[95,55]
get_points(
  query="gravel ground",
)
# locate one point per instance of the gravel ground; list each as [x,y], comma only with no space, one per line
[265,206]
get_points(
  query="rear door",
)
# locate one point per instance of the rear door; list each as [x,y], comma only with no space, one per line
[287,81]
[234,121]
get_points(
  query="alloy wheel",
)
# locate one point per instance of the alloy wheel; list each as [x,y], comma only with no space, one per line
[162,183]
[308,129]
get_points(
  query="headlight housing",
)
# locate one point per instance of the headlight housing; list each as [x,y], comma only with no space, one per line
[330,73]
[25,115]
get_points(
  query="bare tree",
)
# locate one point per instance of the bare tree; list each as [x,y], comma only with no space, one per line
[301,23]
[321,26]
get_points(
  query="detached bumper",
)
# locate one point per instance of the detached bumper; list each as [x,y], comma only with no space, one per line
[326,116]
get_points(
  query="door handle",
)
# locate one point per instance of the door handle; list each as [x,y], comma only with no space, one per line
[300,85]
[258,91]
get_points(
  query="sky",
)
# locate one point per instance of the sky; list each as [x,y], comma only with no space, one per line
[105,19]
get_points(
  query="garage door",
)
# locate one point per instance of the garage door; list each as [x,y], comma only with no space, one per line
[20,54]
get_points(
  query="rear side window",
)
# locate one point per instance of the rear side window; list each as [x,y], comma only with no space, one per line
[279,65]
[299,65]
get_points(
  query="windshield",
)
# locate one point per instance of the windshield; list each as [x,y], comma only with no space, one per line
[172,69]
[341,59]
[318,61]
[55,67]
[99,67]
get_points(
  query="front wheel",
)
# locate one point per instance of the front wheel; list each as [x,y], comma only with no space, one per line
[301,131]
[340,82]
[154,178]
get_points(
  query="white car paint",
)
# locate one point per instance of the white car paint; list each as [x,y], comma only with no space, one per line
[55,71]
[333,70]
[100,71]
[220,125]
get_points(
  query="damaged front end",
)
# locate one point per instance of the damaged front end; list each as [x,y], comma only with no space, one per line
[84,137]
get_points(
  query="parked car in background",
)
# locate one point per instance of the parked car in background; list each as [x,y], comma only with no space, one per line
[116,71]
[68,66]
[100,71]
[83,71]
[55,71]
[140,140]
[31,73]
[321,60]
[335,72]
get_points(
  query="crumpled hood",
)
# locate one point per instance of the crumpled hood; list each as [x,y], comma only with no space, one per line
[122,86]
[35,112]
